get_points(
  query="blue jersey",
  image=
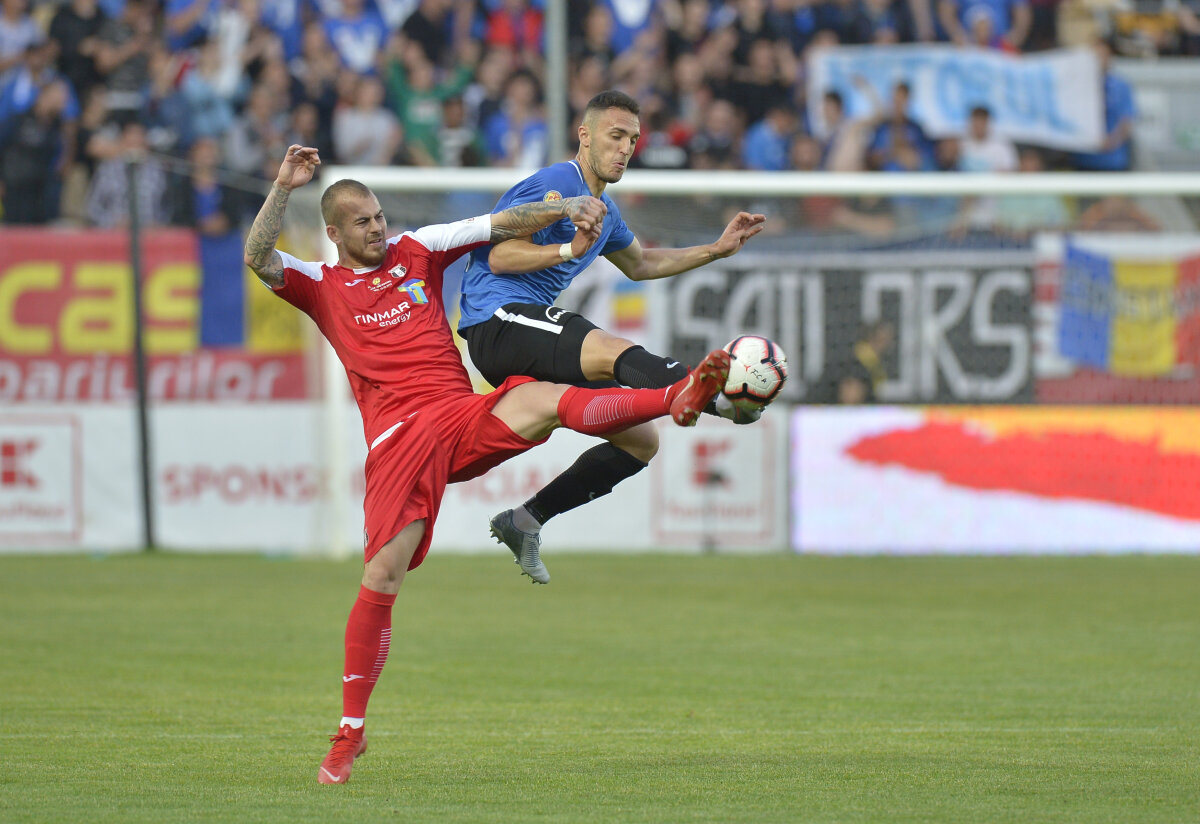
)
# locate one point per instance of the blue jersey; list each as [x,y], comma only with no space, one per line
[1000,12]
[1118,106]
[483,291]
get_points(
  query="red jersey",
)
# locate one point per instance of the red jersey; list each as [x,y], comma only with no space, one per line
[388,324]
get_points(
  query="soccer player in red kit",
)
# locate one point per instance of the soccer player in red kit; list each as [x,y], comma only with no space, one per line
[381,309]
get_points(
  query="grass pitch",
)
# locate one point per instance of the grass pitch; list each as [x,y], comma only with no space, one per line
[632,689]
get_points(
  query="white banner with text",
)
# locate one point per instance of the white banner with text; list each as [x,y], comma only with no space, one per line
[1049,99]
[238,477]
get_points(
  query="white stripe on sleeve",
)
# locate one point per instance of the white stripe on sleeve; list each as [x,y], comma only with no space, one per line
[443,236]
[313,270]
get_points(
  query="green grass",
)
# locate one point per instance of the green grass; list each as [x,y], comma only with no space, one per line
[632,689]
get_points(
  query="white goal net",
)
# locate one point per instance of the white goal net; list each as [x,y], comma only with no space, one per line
[1058,296]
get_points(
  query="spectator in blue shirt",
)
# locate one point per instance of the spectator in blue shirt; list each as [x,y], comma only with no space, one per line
[210,109]
[30,174]
[1116,153]
[1010,21]
[19,96]
[874,21]
[187,22]
[765,146]
[900,134]
[357,36]
[516,135]
[629,21]
[200,200]
[18,32]
[283,17]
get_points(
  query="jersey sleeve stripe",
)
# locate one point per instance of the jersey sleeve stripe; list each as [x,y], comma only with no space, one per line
[443,236]
[312,270]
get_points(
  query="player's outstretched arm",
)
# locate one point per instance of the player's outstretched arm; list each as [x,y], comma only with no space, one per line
[298,168]
[524,219]
[648,264]
[521,255]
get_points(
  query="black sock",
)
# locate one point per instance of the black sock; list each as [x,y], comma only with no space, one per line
[638,368]
[593,474]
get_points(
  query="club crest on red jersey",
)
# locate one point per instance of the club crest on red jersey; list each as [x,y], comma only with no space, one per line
[398,271]
[415,289]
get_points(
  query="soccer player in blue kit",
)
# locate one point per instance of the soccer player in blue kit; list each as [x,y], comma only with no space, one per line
[512,327]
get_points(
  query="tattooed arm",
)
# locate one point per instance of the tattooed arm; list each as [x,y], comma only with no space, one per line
[514,252]
[524,219]
[298,168]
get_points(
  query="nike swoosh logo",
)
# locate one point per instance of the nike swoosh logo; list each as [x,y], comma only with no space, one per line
[336,780]
[672,364]
[346,679]
[355,282]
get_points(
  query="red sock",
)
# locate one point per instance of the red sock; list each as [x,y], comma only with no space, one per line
[599,411]
[368,636]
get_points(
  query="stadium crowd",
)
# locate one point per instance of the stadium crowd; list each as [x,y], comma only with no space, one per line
[213,90]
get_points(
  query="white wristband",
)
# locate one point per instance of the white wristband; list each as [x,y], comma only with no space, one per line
[565,252]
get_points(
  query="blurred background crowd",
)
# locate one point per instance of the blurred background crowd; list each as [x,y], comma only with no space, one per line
[213,90]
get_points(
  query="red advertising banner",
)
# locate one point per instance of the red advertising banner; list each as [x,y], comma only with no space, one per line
[66,324]
[996,479]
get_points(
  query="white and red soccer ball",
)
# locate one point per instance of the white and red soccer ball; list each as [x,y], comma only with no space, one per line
[757,371]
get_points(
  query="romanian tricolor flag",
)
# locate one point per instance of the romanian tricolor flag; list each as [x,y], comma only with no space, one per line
[628,305]
[1129,316]
[236,310]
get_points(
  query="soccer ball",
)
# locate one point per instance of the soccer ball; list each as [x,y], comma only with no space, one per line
[757,371]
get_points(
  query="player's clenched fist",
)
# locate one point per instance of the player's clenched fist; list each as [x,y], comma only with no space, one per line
[299,165]
[585,212]
[584,240]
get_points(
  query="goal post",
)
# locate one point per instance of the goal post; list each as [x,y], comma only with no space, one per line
[786,184]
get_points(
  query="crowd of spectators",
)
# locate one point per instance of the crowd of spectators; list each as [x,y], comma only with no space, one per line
[209,92]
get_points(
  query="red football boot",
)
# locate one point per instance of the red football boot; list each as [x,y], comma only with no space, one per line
[348,744]
[702,384]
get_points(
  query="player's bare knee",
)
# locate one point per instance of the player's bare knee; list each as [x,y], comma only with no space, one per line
[640,441]
[383,577]
[546,398]
[599,353]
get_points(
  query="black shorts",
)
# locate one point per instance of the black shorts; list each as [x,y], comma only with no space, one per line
[543,342]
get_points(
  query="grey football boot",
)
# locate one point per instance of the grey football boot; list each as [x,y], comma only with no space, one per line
[525,546]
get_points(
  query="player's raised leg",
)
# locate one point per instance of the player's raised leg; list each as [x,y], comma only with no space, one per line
[368,639]
[534,410]
[605,356]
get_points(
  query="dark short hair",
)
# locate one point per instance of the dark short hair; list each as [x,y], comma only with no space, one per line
[978,111]
[834,97]
[611,99]
[334,193]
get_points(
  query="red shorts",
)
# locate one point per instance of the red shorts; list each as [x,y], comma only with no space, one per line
[408,471]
